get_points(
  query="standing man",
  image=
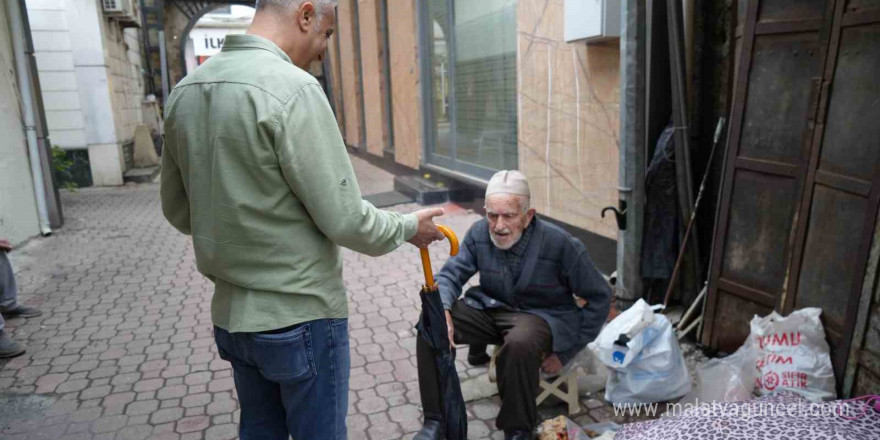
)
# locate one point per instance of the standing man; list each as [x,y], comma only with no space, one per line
[540,299]
[256,171]
[9,307]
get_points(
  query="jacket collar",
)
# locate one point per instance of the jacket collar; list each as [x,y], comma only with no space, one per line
[531,258]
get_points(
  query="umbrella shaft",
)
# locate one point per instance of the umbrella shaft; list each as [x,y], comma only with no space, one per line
[426,266]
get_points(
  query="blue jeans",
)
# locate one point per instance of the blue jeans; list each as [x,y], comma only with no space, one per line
[291,383]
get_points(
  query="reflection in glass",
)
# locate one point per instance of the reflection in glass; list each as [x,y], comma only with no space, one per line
[485,83]
[440,100]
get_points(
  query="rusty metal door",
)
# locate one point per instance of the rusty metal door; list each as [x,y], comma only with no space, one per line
[802,181]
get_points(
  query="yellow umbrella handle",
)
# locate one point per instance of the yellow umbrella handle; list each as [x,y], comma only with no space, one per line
[426,258]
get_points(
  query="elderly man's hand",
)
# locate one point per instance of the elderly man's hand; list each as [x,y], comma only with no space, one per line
[552,364]
[5,246]
[427,232]
[450,330]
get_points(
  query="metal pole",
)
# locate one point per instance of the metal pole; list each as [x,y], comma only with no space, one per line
[164,61]
[632,158]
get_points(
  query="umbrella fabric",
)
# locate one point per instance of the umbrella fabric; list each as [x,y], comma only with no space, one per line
[432,328]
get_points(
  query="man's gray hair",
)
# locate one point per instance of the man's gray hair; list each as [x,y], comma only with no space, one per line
[289,5]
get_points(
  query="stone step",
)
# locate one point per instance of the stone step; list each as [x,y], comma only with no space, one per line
[141,175]
[432,190]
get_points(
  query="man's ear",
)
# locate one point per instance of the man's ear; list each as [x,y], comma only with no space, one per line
[306,16]
[530,214]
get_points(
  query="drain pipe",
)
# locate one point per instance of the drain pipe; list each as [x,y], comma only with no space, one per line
[15,12]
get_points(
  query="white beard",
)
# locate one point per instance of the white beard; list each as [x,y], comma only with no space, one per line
[513,241]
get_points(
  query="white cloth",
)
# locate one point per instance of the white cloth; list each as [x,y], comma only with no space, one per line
[508,182]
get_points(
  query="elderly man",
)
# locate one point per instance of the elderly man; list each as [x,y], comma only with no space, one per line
[256,171]
[9,307]
[530,273]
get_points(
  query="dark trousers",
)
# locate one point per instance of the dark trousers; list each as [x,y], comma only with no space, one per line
[8,289]
[525,340]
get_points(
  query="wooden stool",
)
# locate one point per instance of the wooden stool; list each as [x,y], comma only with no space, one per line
[569,378]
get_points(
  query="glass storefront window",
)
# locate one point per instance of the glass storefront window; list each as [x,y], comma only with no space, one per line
[438,24]
[473,84]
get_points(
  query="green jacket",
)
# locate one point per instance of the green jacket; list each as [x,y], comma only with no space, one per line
[255,169]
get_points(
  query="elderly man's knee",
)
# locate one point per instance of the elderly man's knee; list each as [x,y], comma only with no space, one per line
[523,344]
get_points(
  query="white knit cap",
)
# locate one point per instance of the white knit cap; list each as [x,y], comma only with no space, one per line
[509,182]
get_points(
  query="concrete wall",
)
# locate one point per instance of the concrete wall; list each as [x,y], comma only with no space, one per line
[568,125]
[18,208]
[90,74]
[406,106]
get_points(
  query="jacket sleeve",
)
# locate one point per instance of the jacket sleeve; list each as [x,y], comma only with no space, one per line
[175,201]
[457,271]
[316,166]
[586,282]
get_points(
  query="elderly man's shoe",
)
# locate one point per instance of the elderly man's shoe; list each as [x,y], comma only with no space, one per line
[8,347]
[516,434]
[477,355]
[431,430]
[21,312]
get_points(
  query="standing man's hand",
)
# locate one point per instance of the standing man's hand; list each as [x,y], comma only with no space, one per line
[427,232]
[6,246]
[450,330]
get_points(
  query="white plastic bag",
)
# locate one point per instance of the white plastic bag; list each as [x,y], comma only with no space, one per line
[631,322]
[650,367]
[793,354]
[728,379]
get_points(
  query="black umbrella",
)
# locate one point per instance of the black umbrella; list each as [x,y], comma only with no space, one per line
[432,328]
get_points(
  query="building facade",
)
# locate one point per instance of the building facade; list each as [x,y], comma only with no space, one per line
[466,88]
[89,62]
[18,206]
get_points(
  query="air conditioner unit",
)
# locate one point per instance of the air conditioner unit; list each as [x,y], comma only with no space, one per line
[123,11]
[592,20]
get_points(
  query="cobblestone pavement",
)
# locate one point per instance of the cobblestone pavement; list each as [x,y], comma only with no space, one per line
[125,347]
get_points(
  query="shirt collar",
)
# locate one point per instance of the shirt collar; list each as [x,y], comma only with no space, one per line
[248,41]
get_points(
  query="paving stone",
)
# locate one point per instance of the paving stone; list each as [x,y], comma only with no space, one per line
[94,392]
[226,431]
[118,400]
[142,407]
[222,407]
[383,428]
[166,415]
[223,384]
[192,400]
[197,378]
[190,424]
[171,392]
[136,432]
[48,383]
[149,385]
[109,424]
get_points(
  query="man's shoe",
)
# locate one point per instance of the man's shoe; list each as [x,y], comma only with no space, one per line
[477,355]
[431,430]
[516,434]
[22,312]
[8,347]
